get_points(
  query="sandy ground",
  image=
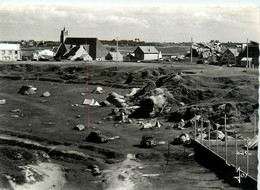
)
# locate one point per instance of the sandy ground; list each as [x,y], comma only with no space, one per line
[53,177]
[122,176]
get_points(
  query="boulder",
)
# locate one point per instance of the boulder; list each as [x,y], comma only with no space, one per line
[182,139]
[201,135]
[133,92]
[15,111]
[98,90]
[96,137]
[2,102]
[79,127]
[147,142]
[105,103]
[116,100]
[147,88]
[27,90]
[46,94]
[214,135]
[95,170]
[153,123]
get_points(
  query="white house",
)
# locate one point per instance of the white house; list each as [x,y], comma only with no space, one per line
[247,62]
[146,53]
[10,52]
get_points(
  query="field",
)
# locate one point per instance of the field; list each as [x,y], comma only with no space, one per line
[41,136]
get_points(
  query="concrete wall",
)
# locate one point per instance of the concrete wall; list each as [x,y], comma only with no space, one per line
[223,170]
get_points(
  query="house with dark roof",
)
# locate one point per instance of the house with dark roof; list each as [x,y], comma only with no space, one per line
[94,47]
[146,53]
[230,56]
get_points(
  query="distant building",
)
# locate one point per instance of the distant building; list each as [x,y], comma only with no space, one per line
[114,56]
[246,62]
[94,47]
[230,56]
[146,53]
[31,43]
[68,47]
[10,52]
[252,51]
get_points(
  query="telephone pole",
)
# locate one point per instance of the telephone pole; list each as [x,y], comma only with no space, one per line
[117,49]
[191,51]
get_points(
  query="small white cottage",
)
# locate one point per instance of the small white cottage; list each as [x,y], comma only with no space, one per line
[10,52]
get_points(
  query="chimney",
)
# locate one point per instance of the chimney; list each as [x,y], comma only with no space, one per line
[62,35]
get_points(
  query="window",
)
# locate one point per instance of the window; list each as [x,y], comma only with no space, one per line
[3,52]
[9,52]
[15,52]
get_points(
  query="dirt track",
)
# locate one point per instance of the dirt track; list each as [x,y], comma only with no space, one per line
[49,121]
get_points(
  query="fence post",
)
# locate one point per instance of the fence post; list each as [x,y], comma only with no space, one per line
[201,130]
[236,149]
[226,138]
[247,158]
[209,134]
[217,139]
[195,132]
[168,153]
[255,126]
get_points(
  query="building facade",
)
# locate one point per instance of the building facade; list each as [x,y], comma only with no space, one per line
[146,53]
[10,52]
[94,47]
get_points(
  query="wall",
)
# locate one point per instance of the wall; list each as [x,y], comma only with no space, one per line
[139,55]
[101,51]
[10,55]
[151,56]
[211,160]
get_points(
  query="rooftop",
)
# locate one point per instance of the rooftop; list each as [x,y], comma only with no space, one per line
[5,46]
[148,49]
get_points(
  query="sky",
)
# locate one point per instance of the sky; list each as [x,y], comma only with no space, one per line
[148,20]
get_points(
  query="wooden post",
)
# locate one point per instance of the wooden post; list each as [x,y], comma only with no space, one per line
[209,134]
[168,153]
[201,131]
[226,138]
[247,62]
[117,48]
[217,139]
[247,158]
[236,149]
[195,132]
[191,51]
[255,126]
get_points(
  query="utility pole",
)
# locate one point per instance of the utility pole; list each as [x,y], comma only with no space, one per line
[226,138]
[247,62]
[117,48]
[191,51]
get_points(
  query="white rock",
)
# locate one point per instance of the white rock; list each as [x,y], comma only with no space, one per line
[46,94]
[2,102]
